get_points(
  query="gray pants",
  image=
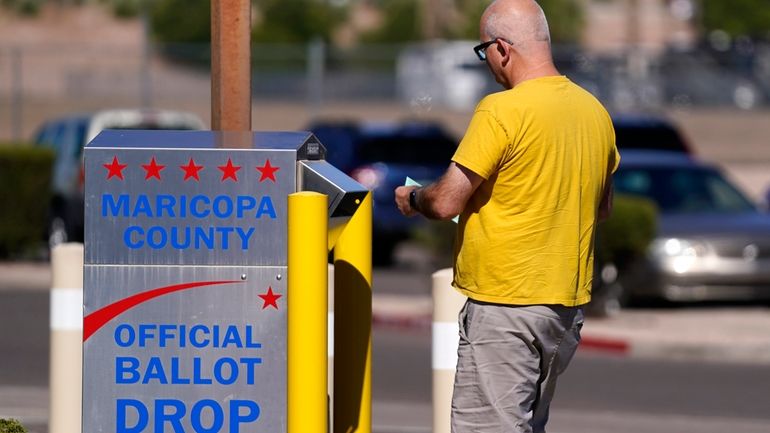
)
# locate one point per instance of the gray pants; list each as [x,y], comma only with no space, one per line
[508,360]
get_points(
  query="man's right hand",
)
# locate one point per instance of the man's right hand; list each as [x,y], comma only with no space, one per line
[402,200]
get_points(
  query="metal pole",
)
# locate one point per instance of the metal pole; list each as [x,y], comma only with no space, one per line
[17,100]
[315,75]
[231,65]
[146,55]
[307,286]
[353,324]
[66,338]
[447,303]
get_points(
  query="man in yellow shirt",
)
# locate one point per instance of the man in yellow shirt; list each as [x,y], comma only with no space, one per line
[530,180]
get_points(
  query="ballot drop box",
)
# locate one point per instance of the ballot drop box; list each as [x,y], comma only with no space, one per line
[185,301]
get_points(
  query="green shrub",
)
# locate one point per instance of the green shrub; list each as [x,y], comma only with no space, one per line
[25,182]
[437,238]
[11,426]
[625,236]
[25,8]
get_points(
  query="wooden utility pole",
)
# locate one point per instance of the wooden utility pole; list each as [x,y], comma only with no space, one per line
[231,65]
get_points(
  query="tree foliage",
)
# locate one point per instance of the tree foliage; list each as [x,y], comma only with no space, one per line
[401,23]
[565,19]
[470,11]
[23,7]
[296,20]
[403,20]
[181,21]
[737,17]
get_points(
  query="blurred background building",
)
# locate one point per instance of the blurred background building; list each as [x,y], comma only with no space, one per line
[62,55]
[378,59]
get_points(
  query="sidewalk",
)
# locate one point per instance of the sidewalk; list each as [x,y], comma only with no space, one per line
[723,334]
[727,334]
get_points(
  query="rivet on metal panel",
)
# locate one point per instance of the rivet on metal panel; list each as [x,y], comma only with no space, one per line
[278,277]
[243,277]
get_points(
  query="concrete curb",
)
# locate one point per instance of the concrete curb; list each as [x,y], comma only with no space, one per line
[697,334]
[415,312]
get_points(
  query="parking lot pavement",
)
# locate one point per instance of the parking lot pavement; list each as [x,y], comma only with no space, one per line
[703,333]
[25,276]
[698,333]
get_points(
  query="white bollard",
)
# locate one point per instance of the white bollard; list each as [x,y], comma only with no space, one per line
[66,362]
[447,303]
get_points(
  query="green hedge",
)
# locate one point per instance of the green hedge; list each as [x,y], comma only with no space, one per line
[11,426]
[25,183]
[625,236]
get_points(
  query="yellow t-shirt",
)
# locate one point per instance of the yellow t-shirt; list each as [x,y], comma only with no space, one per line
[545,148]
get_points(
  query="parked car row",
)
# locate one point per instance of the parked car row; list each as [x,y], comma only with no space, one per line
[711,242]
[447,73]
[381,155]
[68,135]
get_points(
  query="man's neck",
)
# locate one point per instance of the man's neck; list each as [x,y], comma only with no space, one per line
[530,72]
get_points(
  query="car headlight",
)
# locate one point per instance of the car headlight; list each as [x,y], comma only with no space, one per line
[679,253]
[370,176]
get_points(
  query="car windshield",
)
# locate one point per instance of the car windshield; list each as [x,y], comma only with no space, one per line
[683,190]
[425,150]
[658,137]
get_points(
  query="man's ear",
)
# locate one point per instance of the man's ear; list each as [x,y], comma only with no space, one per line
[504,49]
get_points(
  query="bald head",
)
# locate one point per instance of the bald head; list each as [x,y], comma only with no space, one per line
[521,22]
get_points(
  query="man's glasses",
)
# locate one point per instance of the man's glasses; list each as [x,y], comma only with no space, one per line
[481,49]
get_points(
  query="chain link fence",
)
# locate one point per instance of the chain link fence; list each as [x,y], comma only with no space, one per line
[37,82]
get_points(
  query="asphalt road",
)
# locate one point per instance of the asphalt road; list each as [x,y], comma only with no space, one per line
[598,393]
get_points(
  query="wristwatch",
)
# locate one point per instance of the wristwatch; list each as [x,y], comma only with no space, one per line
[413,199]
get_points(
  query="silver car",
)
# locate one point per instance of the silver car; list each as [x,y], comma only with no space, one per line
[712,243]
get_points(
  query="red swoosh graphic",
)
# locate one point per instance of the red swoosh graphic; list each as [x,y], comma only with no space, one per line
[99,318]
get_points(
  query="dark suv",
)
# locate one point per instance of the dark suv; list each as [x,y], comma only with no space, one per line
[68,135]
[380,156]
[646,131]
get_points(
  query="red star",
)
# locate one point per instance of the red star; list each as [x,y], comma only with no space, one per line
[191,170]
[268,171]
[153,169]
[115,169]
[228,171]
[270,298]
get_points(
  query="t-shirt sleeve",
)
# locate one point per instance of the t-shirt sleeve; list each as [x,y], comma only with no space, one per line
[484,145]
[614,158]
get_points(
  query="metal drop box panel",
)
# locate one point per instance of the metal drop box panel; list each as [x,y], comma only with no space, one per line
[185,302]
[178,197]
[184,349]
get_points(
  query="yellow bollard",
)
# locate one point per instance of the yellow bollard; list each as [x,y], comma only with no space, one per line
[307,301]
[353,324]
